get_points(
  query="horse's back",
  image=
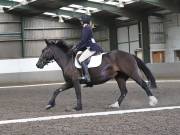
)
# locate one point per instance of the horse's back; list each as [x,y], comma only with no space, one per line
[120,56]
[121,61]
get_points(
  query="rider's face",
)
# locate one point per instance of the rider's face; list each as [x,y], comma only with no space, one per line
[81,22]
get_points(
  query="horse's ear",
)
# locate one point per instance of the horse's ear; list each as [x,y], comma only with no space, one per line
[47,42]
[60,41]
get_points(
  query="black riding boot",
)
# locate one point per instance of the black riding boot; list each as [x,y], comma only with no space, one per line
[86,72]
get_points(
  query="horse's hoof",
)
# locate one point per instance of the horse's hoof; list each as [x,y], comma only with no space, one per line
[88,85]
[115,105]
[152,100]
[78,108]
[48,107]
[68,109]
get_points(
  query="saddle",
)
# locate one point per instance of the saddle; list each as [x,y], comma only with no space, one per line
[93,61]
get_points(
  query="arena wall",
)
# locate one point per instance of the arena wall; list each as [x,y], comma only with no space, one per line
[24,37]
[24,71]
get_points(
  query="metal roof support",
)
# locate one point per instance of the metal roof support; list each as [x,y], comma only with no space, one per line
[68,13]
[22,35]
[100,6]
[173,5]
[144,24]
[8,3]
[78,15]
[29,8]
[113,36]
[113,9]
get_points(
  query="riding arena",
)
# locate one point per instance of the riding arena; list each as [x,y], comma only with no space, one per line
[128,84]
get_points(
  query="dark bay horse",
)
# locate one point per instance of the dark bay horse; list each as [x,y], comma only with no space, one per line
[116,65]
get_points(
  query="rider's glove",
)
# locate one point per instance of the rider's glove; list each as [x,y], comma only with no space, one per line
[74,49]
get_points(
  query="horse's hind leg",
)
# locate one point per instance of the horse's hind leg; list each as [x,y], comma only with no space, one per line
[122,86]
[64,87]
[152,99]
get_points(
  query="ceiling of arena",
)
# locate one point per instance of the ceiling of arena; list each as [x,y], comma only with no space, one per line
[73,9]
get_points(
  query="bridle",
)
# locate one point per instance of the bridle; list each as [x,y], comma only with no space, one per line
[46,62]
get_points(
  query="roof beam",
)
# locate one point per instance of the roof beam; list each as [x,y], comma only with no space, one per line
[39,6]
[78,15]
[173,5]
[114,9]
[8,3]
[27,10]
[68,13]
[31,8]
[52,4]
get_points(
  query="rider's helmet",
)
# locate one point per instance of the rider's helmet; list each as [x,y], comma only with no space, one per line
[85,19]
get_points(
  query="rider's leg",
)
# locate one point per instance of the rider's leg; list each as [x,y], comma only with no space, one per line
[85,72]
[85,55]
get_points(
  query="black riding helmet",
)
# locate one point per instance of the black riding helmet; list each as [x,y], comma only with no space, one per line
[85,19]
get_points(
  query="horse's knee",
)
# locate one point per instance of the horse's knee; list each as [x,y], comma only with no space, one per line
[145,85]
[125,92]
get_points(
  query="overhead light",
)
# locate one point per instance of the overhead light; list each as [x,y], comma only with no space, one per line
[121,3]
[99,1]
[50,14]
[61,19]
[75,6]
[111,3]
[67,8]
[123,18]
[91,9]
[1,6]
[128,1]
[81,11]
[66,16]
[18,0]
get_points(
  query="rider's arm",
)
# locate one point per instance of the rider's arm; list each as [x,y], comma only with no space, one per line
[84,38]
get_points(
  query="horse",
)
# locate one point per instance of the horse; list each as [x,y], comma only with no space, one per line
[116,64]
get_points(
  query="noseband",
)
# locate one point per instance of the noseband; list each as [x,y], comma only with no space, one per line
[46,62]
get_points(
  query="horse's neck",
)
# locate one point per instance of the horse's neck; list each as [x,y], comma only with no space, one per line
[61,58]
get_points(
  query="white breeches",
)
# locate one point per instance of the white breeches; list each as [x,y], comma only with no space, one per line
[86,54]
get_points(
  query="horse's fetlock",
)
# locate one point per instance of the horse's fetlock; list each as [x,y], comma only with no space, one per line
[78,108]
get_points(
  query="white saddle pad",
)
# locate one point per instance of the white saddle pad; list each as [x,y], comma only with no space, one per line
[95,61]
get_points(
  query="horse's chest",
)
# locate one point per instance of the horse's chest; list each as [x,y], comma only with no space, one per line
[70,73]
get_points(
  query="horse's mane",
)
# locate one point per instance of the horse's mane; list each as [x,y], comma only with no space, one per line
[63,45]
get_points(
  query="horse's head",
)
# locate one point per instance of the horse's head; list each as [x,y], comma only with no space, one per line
[47,55]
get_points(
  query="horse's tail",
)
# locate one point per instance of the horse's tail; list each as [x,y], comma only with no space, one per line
[147,72]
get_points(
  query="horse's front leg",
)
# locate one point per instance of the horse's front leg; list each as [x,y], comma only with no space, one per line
[77,87]
[52,102]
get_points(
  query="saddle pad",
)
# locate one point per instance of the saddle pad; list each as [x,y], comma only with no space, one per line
[95,61]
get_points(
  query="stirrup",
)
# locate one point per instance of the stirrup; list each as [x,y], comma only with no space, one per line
[82,78]
[84,81]
[88,85]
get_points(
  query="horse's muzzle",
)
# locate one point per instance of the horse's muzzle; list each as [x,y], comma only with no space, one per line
[39,65]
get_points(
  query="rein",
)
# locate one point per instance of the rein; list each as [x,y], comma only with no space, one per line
[47,62]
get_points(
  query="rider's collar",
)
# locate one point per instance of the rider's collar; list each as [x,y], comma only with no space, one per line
[84,25]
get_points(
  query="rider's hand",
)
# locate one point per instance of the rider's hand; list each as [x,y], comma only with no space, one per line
[74,49]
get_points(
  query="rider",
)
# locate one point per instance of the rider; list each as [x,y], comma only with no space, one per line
[87,45]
